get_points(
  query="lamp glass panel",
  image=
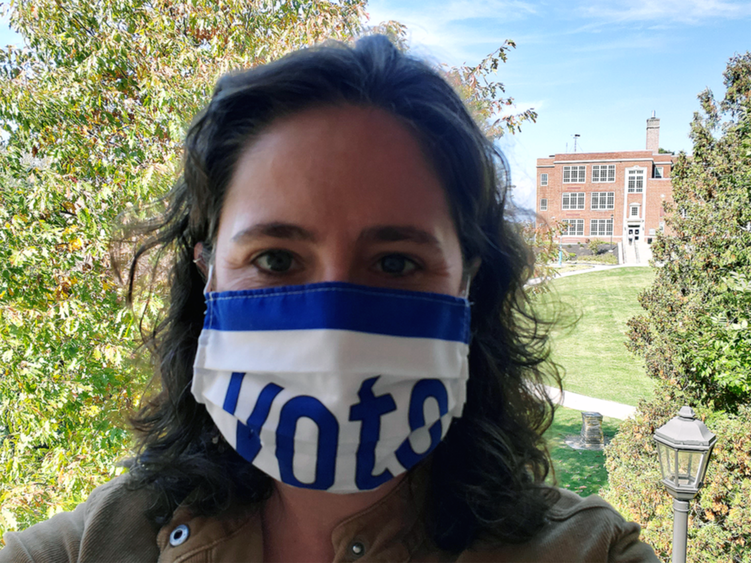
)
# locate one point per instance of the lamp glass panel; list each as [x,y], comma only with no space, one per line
[665,461]
[688,466]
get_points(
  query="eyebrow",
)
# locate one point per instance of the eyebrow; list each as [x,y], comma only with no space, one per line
[379,233]
[395,233]
[278,230]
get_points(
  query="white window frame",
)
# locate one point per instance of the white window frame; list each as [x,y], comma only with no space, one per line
[569,202]
[578,228]
[600,227]
[597,198]
[639,177]
[603,173]
[544,204]
[544,179]
[631,208]
[580,173]
[659,172]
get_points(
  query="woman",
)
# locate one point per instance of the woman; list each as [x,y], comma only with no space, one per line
[341,212]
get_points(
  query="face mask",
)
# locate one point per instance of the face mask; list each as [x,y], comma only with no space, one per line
[333,386]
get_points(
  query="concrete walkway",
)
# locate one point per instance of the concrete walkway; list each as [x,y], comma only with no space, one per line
[583,403]
[594,268]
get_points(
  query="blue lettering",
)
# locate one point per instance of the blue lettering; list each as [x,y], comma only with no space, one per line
[369,410]
[328,441]
[246,436]
[423,389]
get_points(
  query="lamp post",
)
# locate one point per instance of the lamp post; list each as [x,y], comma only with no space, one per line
[684,445]
[612,226]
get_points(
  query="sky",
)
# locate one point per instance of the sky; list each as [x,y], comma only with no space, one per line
[593,68]
[589,67]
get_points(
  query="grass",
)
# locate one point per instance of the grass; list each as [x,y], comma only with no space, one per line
[580,471]
[593,352]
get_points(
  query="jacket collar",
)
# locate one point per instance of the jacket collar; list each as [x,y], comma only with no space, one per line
[390,530]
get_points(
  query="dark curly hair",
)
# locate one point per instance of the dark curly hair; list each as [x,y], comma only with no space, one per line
[487,476]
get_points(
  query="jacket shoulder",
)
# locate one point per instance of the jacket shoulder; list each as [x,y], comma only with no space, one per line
[112,517]
[577,530]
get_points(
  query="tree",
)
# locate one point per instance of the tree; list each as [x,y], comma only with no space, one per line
[695,338]
[94,110]
[695,330]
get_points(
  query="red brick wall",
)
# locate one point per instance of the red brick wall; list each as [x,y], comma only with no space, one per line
[656,191]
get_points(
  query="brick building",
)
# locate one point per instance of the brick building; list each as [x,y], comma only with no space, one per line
[604,194]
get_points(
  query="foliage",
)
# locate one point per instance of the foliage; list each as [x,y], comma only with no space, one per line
[93,110]
[541,239]
[594,246]
[599,259]
[484,96]
[695,329]
[719,525]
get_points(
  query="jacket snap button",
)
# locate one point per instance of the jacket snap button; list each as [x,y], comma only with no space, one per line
[179,535]
[357,549]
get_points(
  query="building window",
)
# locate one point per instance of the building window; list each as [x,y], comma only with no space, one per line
[573,227]
[601,227]
[574,200]
[603,173]
[543,179]
[543,204]
[658,172]
[574,174]
[603,200]
[635,181]
[634,211]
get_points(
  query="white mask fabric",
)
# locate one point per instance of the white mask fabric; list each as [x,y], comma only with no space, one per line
[333,386]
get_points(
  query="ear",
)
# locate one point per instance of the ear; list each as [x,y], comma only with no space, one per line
[199,260]
[473,268]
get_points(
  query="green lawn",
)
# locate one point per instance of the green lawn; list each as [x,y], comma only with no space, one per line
[593,353]
[580,471]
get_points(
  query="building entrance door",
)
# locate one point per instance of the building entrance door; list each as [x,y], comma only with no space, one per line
[633,233]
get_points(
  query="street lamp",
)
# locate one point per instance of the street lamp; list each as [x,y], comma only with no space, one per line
[684,445]
[612,226]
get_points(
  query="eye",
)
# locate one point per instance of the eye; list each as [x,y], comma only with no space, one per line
[397,265]
[274,261]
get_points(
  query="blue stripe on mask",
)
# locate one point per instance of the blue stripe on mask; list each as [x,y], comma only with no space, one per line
[341,306]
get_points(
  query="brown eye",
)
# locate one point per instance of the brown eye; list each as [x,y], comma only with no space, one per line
[275,261]
[396,265]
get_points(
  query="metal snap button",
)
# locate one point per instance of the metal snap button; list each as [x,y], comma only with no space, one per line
[357,549]
[179,535]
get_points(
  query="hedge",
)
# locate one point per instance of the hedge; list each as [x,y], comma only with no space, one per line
[720,518]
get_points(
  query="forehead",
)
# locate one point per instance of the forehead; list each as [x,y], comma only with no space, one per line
[343,167]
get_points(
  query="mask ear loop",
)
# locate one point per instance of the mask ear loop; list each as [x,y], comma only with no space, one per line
[209,279]
[467,277]
[466,282]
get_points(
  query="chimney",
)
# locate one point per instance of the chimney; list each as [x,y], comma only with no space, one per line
[653,134]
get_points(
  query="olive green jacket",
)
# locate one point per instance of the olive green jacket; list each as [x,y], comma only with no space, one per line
[110,527]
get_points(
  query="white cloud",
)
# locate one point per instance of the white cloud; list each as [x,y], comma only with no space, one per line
[431,25]
[664,11]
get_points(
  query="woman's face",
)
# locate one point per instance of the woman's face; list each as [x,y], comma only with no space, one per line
[337,194]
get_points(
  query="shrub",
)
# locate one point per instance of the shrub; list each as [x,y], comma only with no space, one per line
[600,259]
[719,525]
[594,246]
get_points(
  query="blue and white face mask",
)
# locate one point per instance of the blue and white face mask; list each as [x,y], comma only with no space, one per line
[333,386]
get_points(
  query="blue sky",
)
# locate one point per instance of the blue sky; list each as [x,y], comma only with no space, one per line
[588,67]
[593,68]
